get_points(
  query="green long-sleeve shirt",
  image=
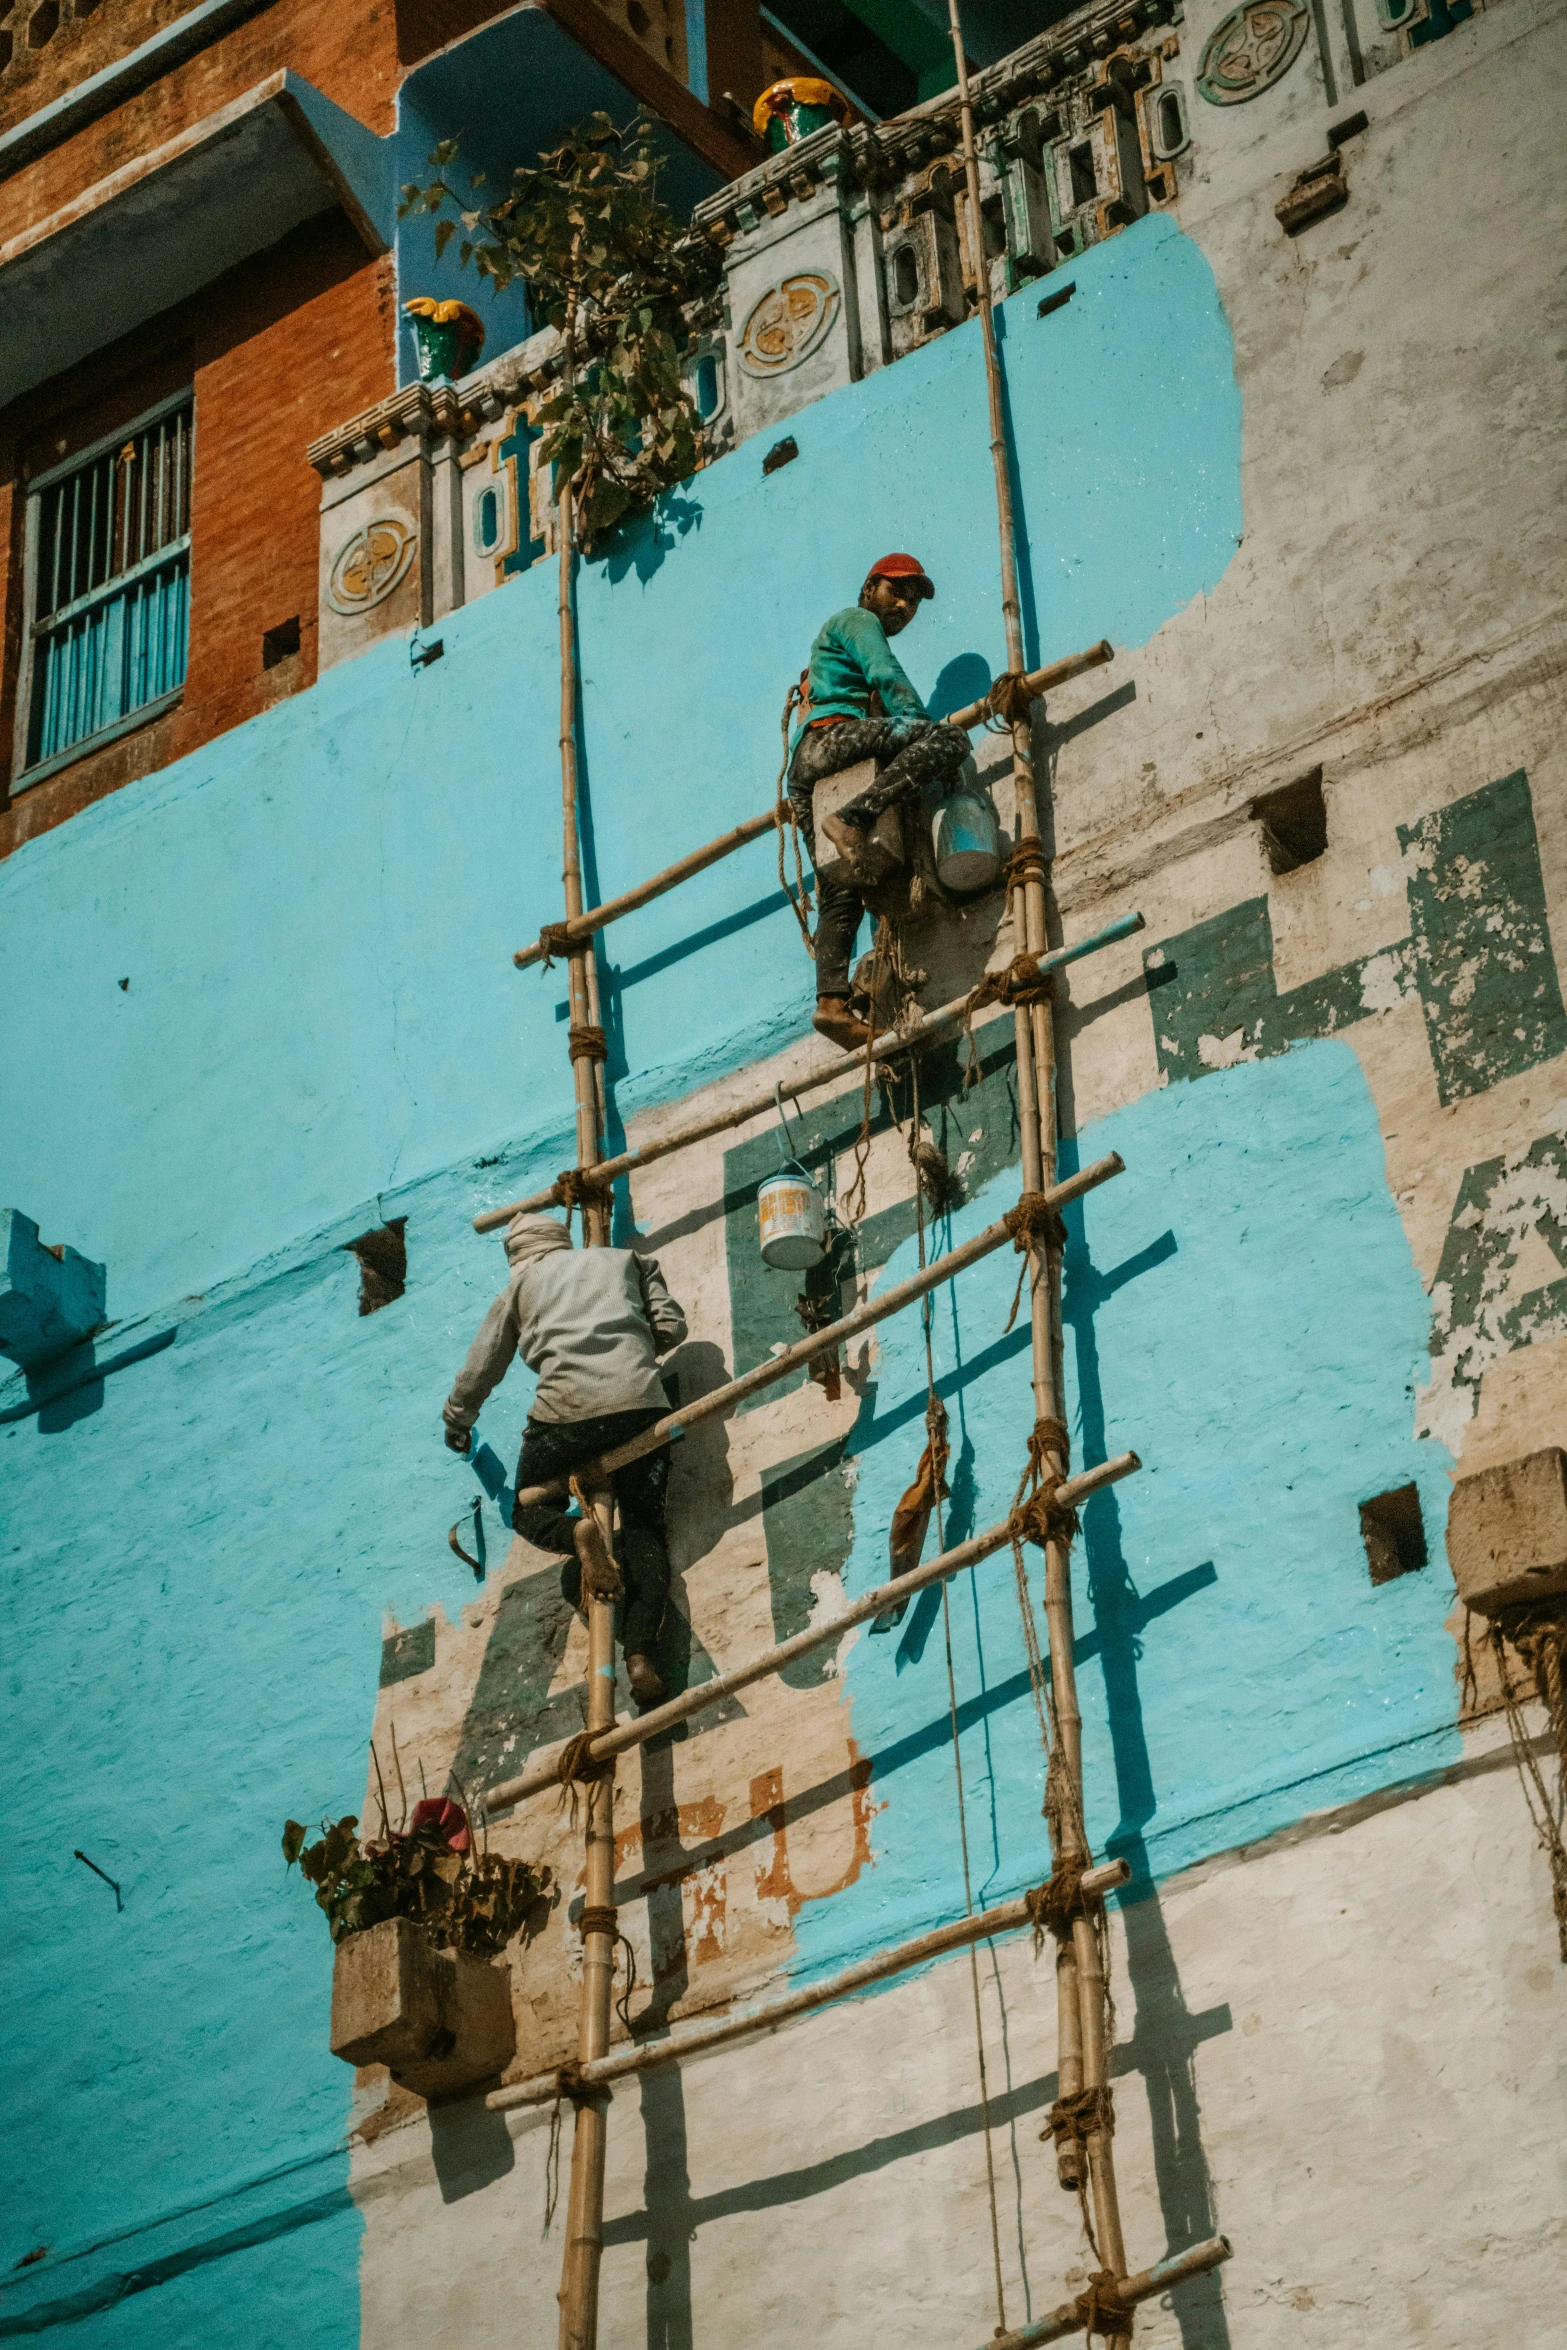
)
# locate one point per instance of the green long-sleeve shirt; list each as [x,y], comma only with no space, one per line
[850,656]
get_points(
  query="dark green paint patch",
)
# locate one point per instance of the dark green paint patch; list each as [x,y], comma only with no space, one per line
[511,1711]
[1500,1202]
[405,1654]
[1215,1002]
[808,1520]
[1479,957]
[1482,942]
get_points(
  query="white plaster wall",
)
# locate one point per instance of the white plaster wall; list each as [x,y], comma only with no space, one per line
[1376,2049]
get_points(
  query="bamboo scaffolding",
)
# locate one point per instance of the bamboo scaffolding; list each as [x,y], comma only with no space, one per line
[791,1358]
[1083,2058]
[582,2255]
[542,1769]
[1070,2317]
[833,1069]
[640,2057]
[582,925]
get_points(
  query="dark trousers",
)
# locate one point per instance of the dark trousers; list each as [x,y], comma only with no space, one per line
[908,758]
[553,1448]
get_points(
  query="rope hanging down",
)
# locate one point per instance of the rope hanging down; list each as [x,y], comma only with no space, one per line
[799,896]
[1538,1632]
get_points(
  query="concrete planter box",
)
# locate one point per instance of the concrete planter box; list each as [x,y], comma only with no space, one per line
[439,2020]
[1507,1532]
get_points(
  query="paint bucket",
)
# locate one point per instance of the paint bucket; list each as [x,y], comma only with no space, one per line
[792,1217]
[968,843]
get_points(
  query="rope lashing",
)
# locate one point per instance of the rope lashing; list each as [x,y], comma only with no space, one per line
[1072,2121]
[584,1042]
[1053,1906]
[1102,2309]
[1032,1223]
[1021,982]
[555,939]
[576,1767]
[598,1918]
[1009,698]
[580,1187]
[1034,1220]
[570,2083]
[1043,1519]
[1038,1515]
[1027,861]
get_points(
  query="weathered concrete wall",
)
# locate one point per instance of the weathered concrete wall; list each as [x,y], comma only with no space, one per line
[1337,1263]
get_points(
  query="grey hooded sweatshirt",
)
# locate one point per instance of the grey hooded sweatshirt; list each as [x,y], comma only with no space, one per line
[589,1321]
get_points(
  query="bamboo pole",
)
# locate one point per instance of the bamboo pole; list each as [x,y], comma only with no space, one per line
[581,2258]
[541,1771]
[1069,2317]
[580,992]
[833,1068]
[584,2247]
[768,2014]
[864,1317]
[583,925]
[1036,1046]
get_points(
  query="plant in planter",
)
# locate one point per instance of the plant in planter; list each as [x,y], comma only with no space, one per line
[418,1917]
[427,1871]
[613,270]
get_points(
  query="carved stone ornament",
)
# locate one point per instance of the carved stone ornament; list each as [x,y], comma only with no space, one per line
[370,566]
[788,322]
[1251,49]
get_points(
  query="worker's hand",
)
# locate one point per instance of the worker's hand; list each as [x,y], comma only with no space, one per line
[458,1439]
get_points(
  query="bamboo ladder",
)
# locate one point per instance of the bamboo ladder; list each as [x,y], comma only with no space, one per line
[1083,2056]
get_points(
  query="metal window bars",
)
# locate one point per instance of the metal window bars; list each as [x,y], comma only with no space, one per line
[110,584]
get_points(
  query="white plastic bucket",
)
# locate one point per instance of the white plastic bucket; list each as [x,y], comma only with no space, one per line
[792,1217]
[967,842]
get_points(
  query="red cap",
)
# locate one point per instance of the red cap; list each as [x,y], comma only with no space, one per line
[902,567]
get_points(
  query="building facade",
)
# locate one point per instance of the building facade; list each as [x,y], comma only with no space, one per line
[1278,307]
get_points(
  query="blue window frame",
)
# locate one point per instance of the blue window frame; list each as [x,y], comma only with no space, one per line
[108,588]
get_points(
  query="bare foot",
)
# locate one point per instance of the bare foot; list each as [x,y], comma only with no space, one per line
[646,1687]
[600,1575]
[834,1020]
[850,841]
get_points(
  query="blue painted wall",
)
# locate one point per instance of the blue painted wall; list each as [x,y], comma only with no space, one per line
[1236,1666]
[321,1028]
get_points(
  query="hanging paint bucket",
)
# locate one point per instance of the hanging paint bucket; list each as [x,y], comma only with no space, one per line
[968,843]
[792,1217]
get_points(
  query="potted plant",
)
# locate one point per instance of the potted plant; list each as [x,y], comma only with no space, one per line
[419,1917]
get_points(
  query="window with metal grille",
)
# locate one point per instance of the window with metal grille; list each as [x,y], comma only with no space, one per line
[108,585]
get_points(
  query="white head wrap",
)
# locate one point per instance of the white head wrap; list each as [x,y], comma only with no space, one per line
[530,1236]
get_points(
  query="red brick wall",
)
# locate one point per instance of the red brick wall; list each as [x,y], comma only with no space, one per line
[280,350]
[347,48]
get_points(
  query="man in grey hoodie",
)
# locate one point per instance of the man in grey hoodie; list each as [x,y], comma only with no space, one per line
[591,1323]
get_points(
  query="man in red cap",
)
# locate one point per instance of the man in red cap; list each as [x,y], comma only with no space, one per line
[860,705]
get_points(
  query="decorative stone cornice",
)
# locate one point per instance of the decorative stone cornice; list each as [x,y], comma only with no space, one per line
[877,156]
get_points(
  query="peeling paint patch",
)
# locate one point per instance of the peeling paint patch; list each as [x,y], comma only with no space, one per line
[1485,1300]
[1479,956]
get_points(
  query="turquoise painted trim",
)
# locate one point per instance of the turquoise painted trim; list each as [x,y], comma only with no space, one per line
[41,772]
[696,49]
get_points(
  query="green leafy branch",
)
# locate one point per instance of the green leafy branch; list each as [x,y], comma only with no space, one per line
[612,269]
[464,1901]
